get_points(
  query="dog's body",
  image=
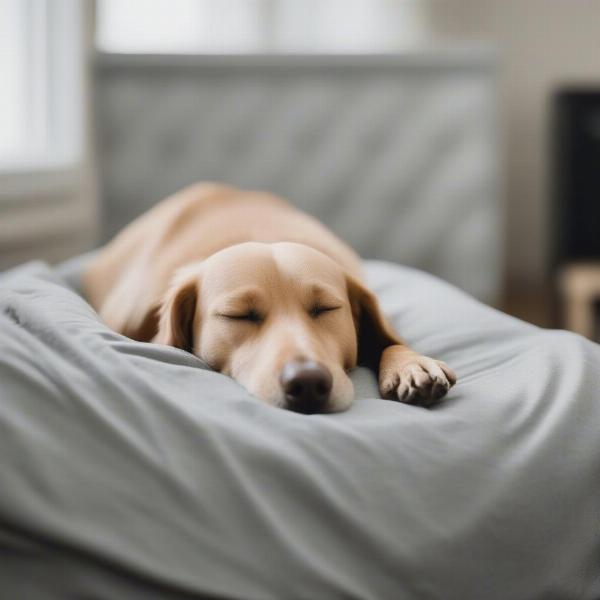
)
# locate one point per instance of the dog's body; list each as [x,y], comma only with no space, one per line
[261,292]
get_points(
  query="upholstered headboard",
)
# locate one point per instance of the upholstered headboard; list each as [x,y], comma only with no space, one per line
[396,153]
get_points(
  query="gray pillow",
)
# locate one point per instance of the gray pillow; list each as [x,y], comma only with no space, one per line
[130,470]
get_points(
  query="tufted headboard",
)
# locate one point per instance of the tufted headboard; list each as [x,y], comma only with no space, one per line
[396,153]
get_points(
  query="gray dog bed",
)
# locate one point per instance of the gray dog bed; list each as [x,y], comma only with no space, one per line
[130,470]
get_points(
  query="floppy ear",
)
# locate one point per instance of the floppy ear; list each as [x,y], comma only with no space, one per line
[177,314]
[374,333]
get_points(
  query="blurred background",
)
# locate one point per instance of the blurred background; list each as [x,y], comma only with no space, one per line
[456,136]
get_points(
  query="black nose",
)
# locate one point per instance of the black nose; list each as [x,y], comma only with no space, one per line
[306,385]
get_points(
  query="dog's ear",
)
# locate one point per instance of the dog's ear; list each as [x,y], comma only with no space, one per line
[374,333]
[177,313]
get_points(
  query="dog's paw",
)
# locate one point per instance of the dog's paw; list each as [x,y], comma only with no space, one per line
[415,379]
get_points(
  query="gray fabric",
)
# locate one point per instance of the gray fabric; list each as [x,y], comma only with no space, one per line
[129,470]
[397,154]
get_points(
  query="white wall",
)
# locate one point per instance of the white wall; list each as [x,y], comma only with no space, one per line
[542,44]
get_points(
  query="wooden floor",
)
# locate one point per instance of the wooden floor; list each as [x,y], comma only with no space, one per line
[533,306]
[537,307]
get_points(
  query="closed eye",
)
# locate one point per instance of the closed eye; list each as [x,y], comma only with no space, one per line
[252,316]
[318,310]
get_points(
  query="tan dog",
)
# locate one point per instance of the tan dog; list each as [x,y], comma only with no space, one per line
[261,292]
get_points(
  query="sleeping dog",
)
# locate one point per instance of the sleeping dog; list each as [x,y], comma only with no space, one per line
[261,292]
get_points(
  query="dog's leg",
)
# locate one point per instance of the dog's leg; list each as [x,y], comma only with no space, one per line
[404,374]
[413,378]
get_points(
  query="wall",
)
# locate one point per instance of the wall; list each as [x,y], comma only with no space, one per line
[542,44]
[47,215]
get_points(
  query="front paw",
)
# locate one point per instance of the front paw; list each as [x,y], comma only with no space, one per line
[413,378]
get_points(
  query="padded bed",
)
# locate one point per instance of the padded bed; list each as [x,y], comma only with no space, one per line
[131,471]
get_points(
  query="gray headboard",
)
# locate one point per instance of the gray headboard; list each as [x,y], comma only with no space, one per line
[396,153]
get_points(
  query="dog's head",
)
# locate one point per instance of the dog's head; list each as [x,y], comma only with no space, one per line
[282,319]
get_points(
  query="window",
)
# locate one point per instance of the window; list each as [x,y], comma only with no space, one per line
[177,26]
[12,66]
[213,26]
[41,64]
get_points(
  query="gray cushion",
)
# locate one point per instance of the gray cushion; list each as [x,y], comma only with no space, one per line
[397,154]
[130,470]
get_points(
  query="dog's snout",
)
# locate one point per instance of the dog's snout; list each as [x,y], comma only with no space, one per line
[306,385]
